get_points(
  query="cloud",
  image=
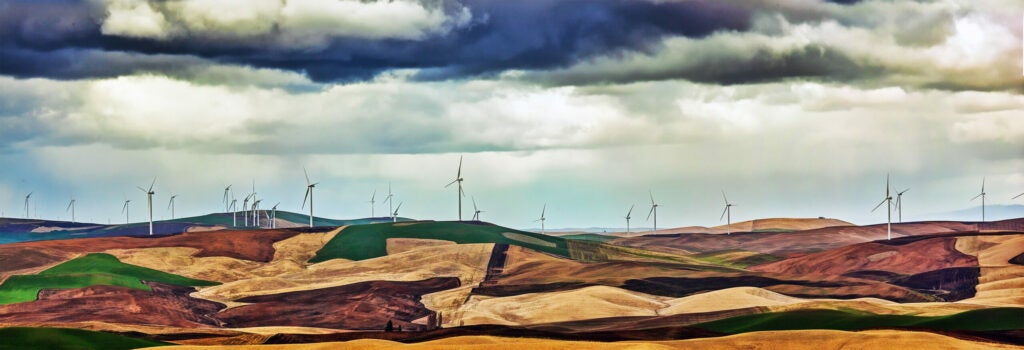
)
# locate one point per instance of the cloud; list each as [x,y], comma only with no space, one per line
[293,23]
[356,40]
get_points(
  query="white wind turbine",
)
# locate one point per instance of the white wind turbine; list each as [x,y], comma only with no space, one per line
[476,211]
[256,213]
[727,213]
[227,203]
[982,195]
[654,210]
[27,197]
[888,206]
[124,210]
[233,207]
[899,205]
[629,215]
[254,218]
[170,205]
[372,201]
[458,179]
[245,209]
[390,199]
[542,218]
[309,195]
[149,200]
[71,207]
[394,215]
[273,215]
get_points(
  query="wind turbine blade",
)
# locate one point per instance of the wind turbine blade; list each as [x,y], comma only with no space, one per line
[652,196]
[450,183]
[723,197]
[976,197]
[1017,196]
[304,172]
[543,209]
[459,173]
[723,213]
[151,185]
[650,212]
[374,196]
[474,203]
[305,196]
[982,185]
[879,205]
[69,205]
[630,212]
[904,191]
[462,191]
[141,189]
[396,208]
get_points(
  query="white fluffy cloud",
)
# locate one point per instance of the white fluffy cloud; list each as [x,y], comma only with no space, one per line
[288,23]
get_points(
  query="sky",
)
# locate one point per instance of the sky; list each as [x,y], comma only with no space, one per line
[793,108]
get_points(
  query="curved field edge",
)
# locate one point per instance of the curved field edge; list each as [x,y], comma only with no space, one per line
[363,242]
[993,319]
[89,270]
[69,338]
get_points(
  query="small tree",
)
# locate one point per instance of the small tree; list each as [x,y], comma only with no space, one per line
[399,328]
[389,327]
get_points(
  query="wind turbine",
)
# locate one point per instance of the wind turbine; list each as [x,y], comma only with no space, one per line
[654,210]
[899,205]
[888,206]
[149,200]
[373,198]
[309,194]
[542,218]
[256,213]
[227,204]
[170,205]
[245,209]
[124,210]
[390,198]
[26,203]
[629,215]
[254,218]
[71,207]
[727,213]
[273,215]
[458,178]
[394,215]
[476,212]
[982,195]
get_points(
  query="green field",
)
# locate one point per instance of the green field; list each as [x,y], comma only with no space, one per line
[66,338]
[370,241]
[90,270]
[994,319]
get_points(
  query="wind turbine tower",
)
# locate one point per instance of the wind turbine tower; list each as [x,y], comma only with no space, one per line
[460,194]
[373,198]
[256,212]
[899,205]
[629,215]
[982,195]
[124,210]
[170,205]
[227,204]
[71,207]
[149,200]
[245,209]
[309,195]
[476,211]
[273,215]
[888,206]
[654,211]
[727,213]
[27,197]
[394,215]
[542,218]
[390,199]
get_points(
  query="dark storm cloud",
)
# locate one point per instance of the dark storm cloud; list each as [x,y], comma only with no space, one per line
[47,38]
